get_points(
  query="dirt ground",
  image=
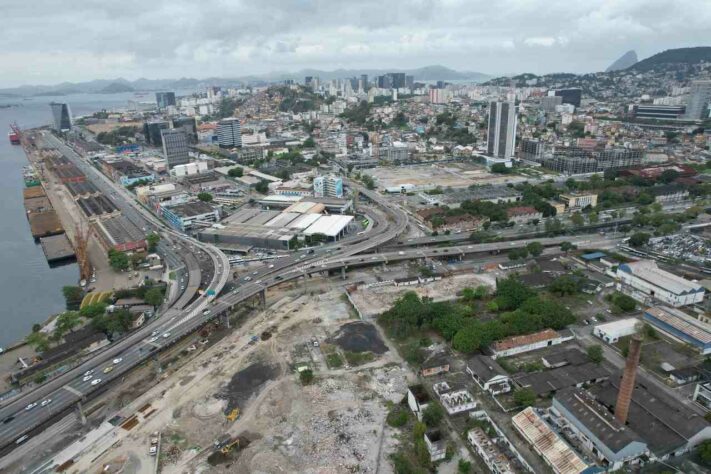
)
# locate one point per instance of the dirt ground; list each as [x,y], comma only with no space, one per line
[373,301]
[335,424]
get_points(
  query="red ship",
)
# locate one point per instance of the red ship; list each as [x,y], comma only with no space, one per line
[14,134]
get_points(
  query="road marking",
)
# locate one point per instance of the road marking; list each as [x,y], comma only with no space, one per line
[73,390]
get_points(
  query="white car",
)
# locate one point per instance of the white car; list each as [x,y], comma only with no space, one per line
[271,266]
[206,312]
[155,333]
[30,406]
[118,360]
[96,381]
[166,335]
[89,372]
[86,378]
[247,278]
[153,339]
[46,402]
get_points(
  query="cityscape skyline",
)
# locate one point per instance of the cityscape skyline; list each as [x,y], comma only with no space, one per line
[251,38]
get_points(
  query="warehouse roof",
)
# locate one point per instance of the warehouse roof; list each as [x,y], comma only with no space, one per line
[682,322]
[189,209]
[283,219]
[330,226]
[120,230]
[524,340]
[618,326]
[554,450]
[597,419]
[304,207]
[304,221]
[648,271]
[552,380]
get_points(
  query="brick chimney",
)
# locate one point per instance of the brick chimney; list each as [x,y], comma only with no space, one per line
[624,396]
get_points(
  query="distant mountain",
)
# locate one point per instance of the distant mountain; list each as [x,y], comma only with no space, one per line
[672,58]
[115,88]
[625,61]
[427,73]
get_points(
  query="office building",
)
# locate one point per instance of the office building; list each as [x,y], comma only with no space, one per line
[531,149]
[229,133]
[175,147]
[657,112]
[189,126]
[397,79]
[549,103]
[569,96]
[165,99]
[308,81]
[410,82]
[385,82]
[578,201]
[364,81]
[502,129]
[62,116]
[697,107]
[328,186]
[578,160]
[152,132]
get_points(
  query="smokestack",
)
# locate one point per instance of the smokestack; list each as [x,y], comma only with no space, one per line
[624,397]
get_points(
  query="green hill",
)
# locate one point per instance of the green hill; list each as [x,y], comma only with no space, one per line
[674,57]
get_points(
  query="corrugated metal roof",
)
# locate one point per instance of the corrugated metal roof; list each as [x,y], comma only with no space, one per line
[329,225]
[554,450]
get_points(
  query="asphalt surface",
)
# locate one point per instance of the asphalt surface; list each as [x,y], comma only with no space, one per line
[173,324]
[202,267]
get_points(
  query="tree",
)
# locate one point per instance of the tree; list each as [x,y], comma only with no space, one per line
[73,296]
[153,238]
[118,260]
[235,172]
[500,168]
[518,254]
[154,297]
[66,322]
[433,414]
[306,377]
[511,293]
[38,340]
[397,417]
[704,452]
[309,143]
[567,246]
[668,176]
[623,302]
[595,353]
[524,397]
[93,310]
[467,339]
[564,285]
[639,239]
[577,219]
[205,197]
[535,248]
[262,187]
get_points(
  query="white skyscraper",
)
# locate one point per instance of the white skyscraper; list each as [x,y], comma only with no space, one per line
[328,186]
[699,99]
[502,129]
[229,133]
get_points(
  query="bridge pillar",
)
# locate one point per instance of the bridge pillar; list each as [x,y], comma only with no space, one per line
[263,298]
[343,273]
[80,412]
[226,320]
[156,364]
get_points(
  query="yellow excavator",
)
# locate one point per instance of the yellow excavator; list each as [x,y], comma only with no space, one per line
[233,415]
[228,447]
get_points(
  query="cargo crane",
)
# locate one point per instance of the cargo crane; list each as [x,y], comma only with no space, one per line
[81,239]
[15,135]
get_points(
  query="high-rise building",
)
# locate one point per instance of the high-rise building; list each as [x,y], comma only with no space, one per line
[532,150]
[570,96]
[308,80]
[229,133]
[189,126]
[165,99]
[364,80]
[549,103]
[175,147]
[697,107]
[152,131]
[410,82]
[62,116]
[397,79]
[328,186]
[502,129]
[385,81]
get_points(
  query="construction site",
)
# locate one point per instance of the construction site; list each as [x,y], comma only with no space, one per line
[234,400]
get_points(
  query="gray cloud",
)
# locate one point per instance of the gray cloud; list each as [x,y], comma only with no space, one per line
[47,41]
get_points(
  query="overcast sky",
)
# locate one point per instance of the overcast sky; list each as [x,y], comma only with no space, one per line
[50,41]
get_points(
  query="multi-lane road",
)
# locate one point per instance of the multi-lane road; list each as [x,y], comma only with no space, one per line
[186,313]
[200,265]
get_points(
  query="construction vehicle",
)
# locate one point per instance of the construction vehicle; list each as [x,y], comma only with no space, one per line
[233,415]
[228,447]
